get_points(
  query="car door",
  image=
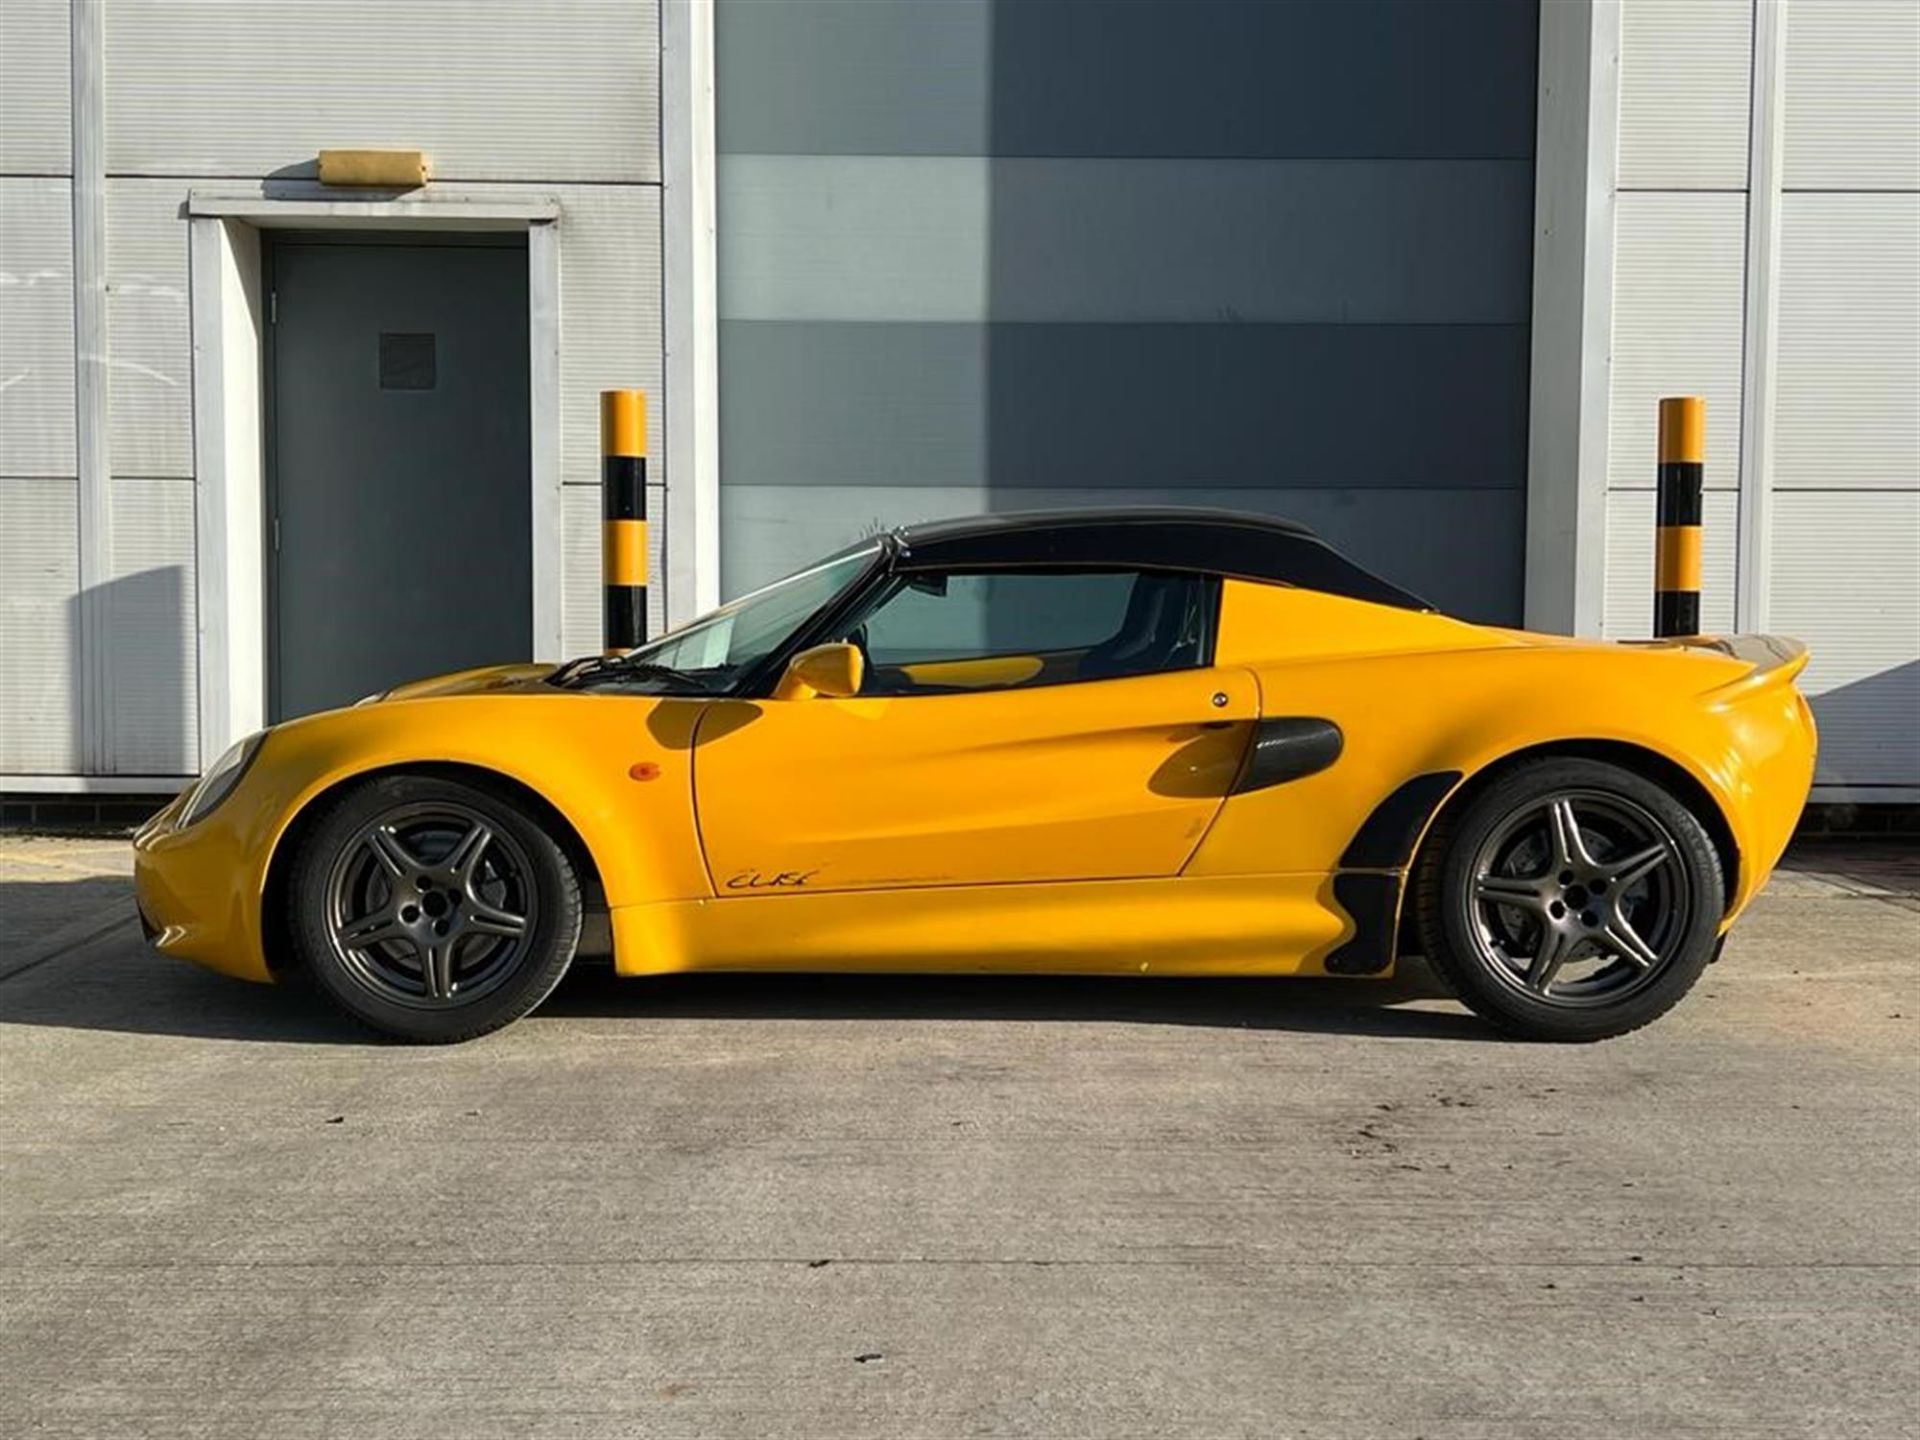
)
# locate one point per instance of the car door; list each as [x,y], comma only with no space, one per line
[1012,728]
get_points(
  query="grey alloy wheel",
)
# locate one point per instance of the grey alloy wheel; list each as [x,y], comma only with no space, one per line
[431,904]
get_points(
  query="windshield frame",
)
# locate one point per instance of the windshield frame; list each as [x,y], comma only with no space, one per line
[758,678]
[758,682]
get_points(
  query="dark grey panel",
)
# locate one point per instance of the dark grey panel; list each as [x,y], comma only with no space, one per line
[1227,78]
[1238,240]
[1159,407]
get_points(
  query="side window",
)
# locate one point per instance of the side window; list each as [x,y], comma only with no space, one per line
[998,630]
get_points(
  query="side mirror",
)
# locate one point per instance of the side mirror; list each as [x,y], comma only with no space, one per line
[831,670]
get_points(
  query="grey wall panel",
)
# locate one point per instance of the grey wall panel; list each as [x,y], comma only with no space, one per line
[39,627]
[947,238]
[610,330]
[1450,546]
[1685,69]
[1848,412]
[1629,578]
[851,77]
[854,237]
[1853,95]
[153,687]
[1845,580]
[36,327]
[979,255]
[496,92]
[35,111]
[150,341]
[1678,322]
[853,404]
[1148,406]
[1350,79]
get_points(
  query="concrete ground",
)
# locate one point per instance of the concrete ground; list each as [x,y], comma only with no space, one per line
[838,1208]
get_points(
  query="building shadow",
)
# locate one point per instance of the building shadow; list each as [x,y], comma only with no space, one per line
[149,703]
[1869,738]
[1201,287]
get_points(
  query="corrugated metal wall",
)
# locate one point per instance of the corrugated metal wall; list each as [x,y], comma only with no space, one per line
[559,99]
[994,256]
[1846,551]
[39,495]
[1845,477]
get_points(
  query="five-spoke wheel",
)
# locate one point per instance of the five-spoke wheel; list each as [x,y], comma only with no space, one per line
[1576,897]
[433,909]
[1570,899]
[430,904]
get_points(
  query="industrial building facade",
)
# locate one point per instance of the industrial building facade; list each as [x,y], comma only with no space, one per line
[1413,273]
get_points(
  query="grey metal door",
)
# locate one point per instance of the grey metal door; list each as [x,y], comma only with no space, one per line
[400,517]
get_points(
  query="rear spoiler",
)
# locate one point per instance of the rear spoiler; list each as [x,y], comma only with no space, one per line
[1775,659]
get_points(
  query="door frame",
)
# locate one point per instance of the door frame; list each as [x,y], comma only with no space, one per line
[229,319]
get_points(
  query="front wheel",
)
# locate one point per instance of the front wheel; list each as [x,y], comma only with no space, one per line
[432,910]
[1571,900]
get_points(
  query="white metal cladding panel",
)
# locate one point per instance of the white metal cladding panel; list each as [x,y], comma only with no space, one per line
[35,111]
[949,238]
[1679,268]
[562,90]
[39,627]
[1846,579]
[152,703]
[1629,600]
[36,327]
[1848,409]
[149,337]
[610,335]
[1685,70]
[580,616]
[1853,95]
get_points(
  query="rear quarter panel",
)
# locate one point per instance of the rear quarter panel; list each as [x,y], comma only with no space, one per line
[1415,694]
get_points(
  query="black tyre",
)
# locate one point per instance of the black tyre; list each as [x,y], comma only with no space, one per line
[1570,900]
[432,910]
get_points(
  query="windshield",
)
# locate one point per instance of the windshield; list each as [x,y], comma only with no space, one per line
[725,643]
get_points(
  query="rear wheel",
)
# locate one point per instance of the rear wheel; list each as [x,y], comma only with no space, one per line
[1571,900]
[433,910]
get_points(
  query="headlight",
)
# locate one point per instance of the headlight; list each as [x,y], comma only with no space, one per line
[218,782]
[372,699]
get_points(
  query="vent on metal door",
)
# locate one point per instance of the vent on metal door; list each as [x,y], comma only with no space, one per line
[406,362]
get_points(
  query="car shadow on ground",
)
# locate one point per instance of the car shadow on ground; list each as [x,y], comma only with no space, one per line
[130,990]
[112,982]
[103,978]
[1342,1006]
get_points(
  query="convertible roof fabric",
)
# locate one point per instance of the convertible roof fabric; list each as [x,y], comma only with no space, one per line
[1209,542]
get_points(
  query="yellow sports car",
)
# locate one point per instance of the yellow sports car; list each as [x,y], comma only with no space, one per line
[1132,742]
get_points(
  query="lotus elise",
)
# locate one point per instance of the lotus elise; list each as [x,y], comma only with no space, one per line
[1147,743]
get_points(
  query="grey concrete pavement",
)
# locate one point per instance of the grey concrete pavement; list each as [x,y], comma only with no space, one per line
[833,1207]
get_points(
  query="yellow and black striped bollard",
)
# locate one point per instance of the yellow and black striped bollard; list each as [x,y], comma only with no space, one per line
[1676,575]
[623,517]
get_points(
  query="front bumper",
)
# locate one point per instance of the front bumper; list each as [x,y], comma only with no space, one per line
[198,892]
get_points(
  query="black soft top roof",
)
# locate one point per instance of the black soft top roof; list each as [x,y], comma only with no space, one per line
[1210,542]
